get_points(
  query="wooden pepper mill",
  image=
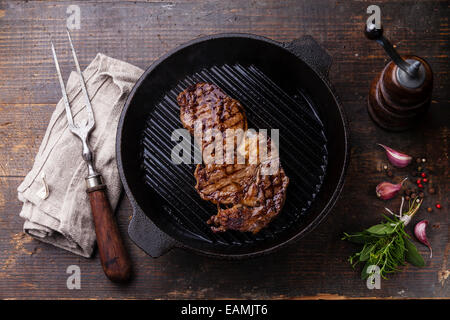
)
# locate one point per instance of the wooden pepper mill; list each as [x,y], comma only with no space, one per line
[401,94]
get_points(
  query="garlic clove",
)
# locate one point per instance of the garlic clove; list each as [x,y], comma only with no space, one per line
[386,190]
[397,159]
[421,235]
[43,192]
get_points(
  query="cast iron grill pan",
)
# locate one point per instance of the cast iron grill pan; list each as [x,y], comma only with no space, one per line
[303,152]
[282,86]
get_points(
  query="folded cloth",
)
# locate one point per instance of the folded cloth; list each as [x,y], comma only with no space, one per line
[56,207]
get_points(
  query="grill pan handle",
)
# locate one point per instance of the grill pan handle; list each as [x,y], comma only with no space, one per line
[147,236]
[307,49]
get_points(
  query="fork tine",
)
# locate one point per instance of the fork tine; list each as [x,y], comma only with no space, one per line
[82,82]
[63,88]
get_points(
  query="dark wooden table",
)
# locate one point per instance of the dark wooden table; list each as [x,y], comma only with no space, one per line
[141,31]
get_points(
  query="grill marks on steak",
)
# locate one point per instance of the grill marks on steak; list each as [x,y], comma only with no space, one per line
[259,197]
[228,183]
[223,184]
[207,104]
[252,199]
[263,201]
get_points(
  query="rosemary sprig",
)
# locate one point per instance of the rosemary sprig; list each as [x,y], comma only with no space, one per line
[387,245]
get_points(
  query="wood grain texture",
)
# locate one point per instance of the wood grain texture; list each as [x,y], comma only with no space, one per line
[113,256]
[140,32]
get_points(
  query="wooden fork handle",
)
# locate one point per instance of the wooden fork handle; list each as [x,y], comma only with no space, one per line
[115,260]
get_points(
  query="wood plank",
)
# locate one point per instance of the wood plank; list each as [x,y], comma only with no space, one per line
[140,32]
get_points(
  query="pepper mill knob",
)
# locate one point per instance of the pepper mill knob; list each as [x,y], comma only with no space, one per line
[401,94]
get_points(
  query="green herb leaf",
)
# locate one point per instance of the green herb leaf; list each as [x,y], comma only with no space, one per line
[412,254]
[360,237]
[364,274]
[386,245]
[381,229]
[365,252]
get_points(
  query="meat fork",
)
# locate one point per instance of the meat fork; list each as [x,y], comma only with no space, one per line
[114,258]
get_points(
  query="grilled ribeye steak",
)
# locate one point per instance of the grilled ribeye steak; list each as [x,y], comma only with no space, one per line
[256,190]
[228,183]
[262,202]
[206,110]
[209,106]
[253,197]
[224,183]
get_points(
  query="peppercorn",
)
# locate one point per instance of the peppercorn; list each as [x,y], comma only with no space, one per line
[432,191]
[418,160]
[429,209]
[389,173]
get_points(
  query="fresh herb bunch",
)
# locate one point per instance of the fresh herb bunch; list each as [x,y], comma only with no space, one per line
[387,245]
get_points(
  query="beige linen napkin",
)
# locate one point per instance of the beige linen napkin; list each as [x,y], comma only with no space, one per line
[62,216]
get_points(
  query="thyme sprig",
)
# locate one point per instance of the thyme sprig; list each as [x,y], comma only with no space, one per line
[387,245]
